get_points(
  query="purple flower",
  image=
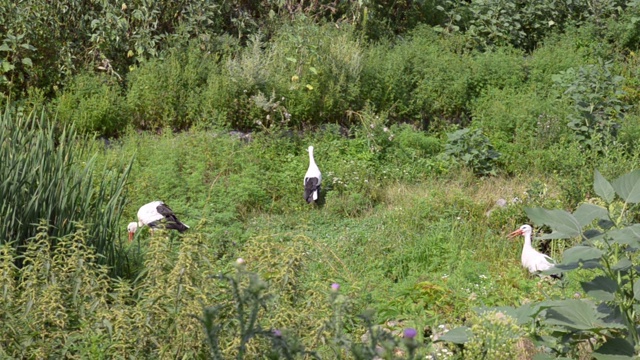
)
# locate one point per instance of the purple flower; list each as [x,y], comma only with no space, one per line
[410,333]
[277,333]
[335,287]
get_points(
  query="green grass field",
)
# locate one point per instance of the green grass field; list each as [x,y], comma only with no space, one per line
[424,249]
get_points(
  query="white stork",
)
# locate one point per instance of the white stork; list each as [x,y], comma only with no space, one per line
[532,259]
[312,179]
[156,214]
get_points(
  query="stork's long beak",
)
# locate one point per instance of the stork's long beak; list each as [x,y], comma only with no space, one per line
[130,235]
[515,233]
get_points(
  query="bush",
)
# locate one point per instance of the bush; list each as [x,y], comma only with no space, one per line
[596,93]
[574,48]
[94,103]
[518,121]
[473,149]
[167,92]
[315,70]
[429,77]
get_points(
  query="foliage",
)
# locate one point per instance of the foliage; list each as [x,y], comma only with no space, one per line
[250,306]
[596,93]
[166,93]
[495,336]
[54,294]
[15,64]
[522,24]
[606,252]
[473,149]
[316,71]
[94,104]
[45,178]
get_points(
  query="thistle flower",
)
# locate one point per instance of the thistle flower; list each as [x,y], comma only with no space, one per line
[277,333]
[335,287]
[240,261]
[410,333]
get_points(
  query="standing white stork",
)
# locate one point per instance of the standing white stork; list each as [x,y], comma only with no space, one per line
[312,179]
[532,259]
[156,214]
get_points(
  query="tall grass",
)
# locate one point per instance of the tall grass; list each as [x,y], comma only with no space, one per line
[42,177]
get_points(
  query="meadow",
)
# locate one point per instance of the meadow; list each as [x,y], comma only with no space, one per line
[437,135]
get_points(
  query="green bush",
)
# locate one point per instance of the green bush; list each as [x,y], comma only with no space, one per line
[574,48]
[94,103]
[519,121]
[597,96]
[473,149]
[428,77]
[314,72]
[167,92]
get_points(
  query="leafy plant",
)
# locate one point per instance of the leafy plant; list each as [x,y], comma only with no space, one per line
[15,62]
[94,104]
[473,149]
[596,93]
[607,322]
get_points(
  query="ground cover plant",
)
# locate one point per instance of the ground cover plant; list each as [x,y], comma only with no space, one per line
[438,131]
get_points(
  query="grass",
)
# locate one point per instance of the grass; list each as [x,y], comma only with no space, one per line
[421,250]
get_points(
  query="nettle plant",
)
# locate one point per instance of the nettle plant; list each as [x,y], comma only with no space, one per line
[473,149]
[606,322]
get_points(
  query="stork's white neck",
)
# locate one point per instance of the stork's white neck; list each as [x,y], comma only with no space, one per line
[311,160]
[527,242]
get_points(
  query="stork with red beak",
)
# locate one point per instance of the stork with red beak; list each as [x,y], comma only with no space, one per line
[532,260]
[156,214]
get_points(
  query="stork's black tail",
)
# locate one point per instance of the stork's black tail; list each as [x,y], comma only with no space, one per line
[170,219]
[310,187]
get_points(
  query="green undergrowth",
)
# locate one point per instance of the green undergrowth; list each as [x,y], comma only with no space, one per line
[413,238]
[412,243]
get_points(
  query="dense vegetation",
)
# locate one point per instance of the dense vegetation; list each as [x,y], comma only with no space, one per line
[438,125]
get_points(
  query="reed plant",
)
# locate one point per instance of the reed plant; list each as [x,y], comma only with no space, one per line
[43,177]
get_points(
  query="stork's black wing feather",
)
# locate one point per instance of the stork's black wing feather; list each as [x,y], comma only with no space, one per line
[172,221]
[310,185]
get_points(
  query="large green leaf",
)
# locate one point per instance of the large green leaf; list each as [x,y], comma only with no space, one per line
[623,264]
[601,288]
[581,253]
[523,314]
[586,213]
[636,290]
[459,335]
[629,235]
[603,188]
[561,222]
[577,315]
[628,187]
[614,349]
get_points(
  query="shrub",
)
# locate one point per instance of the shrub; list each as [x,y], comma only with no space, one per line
[429,77]
[93,102]
[520,122]
[495,336]
[473,149]
[52,296]
[576,47]
[596,93]
[316,71]
[167,92]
